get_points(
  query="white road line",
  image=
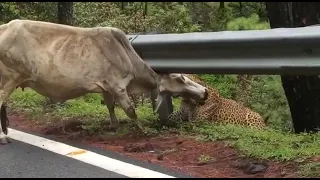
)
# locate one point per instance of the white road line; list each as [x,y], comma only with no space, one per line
[86,156]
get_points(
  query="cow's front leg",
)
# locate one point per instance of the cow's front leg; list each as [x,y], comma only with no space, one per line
[109,102]
[127,106]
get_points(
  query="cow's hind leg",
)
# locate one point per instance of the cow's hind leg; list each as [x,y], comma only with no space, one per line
[109,102]
[4,119]
[6,89]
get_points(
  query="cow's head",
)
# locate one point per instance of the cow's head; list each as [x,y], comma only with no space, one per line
[180,85]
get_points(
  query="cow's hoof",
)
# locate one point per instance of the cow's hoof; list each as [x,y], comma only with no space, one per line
[132,113]
[4,141]
[139,127]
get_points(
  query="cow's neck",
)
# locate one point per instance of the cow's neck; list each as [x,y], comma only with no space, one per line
[145,75]
[144,81]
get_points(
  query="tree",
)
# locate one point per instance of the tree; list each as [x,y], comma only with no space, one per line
[145,10]
[1,10]
[221,6]
[65,16]
[65,13]
[302,92]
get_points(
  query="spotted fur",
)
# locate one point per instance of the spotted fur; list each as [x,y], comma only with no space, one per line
[217,109]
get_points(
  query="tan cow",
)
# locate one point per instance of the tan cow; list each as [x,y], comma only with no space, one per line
[64,62]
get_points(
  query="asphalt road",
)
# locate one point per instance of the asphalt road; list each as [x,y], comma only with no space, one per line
[21,160]
[29,158]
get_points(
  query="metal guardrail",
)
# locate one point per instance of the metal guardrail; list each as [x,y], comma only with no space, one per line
[294,51]
[273,51]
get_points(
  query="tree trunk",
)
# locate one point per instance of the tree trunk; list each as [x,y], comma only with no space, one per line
[145,11]
[65,16]
[65,13]
[123,5]
[1,11]
[240,8]
[221,5]
[303,92]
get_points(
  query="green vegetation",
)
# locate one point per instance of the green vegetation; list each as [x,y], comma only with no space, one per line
[267,97]
[203,159]
[274,143]
[310,170]
[87,107]
[266,94]
[266,144]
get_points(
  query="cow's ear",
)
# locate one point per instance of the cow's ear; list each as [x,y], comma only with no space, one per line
[182,77]
[178,77]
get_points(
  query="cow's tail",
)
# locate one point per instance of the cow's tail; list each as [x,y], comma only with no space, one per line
[4,119]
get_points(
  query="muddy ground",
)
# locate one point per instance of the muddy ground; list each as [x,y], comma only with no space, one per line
[171,150]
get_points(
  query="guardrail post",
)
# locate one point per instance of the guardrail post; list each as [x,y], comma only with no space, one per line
[165,109]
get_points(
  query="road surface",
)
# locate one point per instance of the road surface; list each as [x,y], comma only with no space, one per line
[32,156]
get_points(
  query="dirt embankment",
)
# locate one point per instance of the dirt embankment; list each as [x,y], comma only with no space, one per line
[198,159]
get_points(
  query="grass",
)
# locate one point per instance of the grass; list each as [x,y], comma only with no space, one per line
[203,159]
[264,144]
[86,107]
[267,97]
[310,170]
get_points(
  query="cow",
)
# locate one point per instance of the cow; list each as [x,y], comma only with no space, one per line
[4,119]
[150,95]
[64,62]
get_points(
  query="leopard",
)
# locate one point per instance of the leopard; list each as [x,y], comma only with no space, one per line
[217,109]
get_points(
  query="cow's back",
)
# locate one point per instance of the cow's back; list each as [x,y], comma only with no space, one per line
[53,55]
